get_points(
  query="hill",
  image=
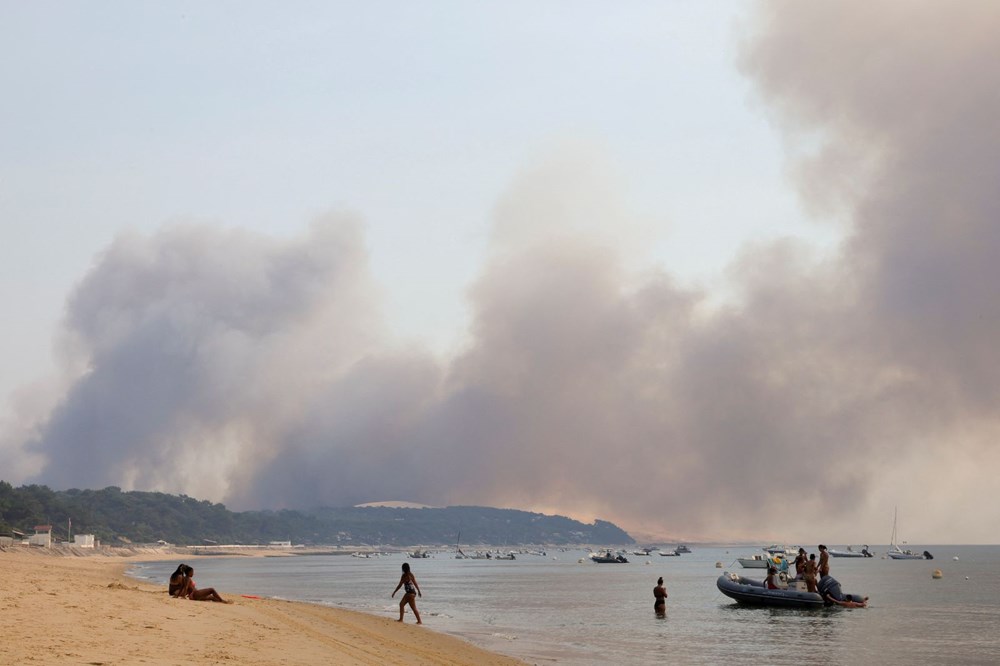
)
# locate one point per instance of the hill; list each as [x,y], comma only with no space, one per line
[115,516]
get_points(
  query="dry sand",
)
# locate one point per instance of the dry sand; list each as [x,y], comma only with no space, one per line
[83,610]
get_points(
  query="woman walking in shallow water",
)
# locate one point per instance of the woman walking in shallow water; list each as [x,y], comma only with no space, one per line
[410,593]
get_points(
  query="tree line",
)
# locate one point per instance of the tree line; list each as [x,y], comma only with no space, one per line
[117,517]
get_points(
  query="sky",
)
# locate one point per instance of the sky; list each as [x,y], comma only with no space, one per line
[712,271]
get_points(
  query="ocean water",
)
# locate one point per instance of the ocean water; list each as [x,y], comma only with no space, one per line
[555,610]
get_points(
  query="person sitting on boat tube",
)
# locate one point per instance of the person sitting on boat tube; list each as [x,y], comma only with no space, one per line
[830,590]
[770,582]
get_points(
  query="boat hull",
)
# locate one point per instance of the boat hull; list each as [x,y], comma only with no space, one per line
[850,552]
[752,592]
[751,563]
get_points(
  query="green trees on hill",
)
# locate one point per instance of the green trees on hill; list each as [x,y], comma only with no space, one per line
[117,517]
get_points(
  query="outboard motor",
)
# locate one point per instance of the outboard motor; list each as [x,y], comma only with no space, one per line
[928,556]
[828,585]
[866,552]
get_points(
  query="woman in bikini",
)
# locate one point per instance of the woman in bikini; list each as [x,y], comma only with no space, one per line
[410,593]
[177,587]
[192,592]
[660,593]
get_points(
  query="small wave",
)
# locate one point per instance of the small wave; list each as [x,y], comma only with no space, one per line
[506,637]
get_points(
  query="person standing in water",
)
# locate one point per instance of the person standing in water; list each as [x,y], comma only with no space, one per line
[811,570]
[411,590]
[660,596]
[824,561]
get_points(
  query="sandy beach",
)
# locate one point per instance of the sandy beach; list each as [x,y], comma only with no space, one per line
[84,610]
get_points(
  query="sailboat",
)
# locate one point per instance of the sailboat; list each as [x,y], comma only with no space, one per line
[897,553]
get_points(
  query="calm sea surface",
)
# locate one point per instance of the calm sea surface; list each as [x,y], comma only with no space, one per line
[553,609]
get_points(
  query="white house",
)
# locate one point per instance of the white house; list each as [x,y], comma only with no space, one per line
[83,540]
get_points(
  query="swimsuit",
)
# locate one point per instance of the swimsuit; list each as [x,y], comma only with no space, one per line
[408,588]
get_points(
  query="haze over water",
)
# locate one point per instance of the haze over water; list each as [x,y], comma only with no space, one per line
[548,610]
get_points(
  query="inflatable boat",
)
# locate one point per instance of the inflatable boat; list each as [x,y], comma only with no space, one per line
[790,594]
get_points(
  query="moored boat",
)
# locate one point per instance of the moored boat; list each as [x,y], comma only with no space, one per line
[778,549]
[609,558]
[850,552]
[897,553]
[682,549]
[754,562]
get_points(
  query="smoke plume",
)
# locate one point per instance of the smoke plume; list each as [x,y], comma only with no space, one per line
[828,388]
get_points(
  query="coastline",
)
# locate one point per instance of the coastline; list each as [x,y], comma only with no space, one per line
[66,607]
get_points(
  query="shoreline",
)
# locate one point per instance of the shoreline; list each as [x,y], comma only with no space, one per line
[74,607]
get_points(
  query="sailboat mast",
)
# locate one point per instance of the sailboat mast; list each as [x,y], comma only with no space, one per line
[892,540]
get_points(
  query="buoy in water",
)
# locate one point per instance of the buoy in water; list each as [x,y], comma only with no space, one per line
[937,574]
[955,558]
[648,562]
[718,565]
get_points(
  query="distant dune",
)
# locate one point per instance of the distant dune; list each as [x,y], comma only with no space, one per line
[396,505]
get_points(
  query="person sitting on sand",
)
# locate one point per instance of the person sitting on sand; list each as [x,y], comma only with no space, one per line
[177,586]
[660,594]
[829,589]
[191,591]
[410,593]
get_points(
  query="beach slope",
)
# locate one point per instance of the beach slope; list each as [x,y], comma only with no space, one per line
[83,610]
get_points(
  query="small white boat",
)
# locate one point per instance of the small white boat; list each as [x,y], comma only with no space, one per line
[850,552]
[669,553]
[777,549]
[754,562]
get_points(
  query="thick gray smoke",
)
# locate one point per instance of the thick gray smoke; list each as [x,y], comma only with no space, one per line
[253,371]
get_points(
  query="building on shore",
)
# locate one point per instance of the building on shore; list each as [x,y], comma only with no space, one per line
[42,536]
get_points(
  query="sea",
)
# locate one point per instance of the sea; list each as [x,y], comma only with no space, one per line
[562,608]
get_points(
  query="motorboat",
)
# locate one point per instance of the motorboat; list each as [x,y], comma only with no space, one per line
[899,554]
[850,552]
[420,554]
[682,549]
[777,549]
[754,562]
[790,593]
[609,558]
[507,556]
[669,553]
